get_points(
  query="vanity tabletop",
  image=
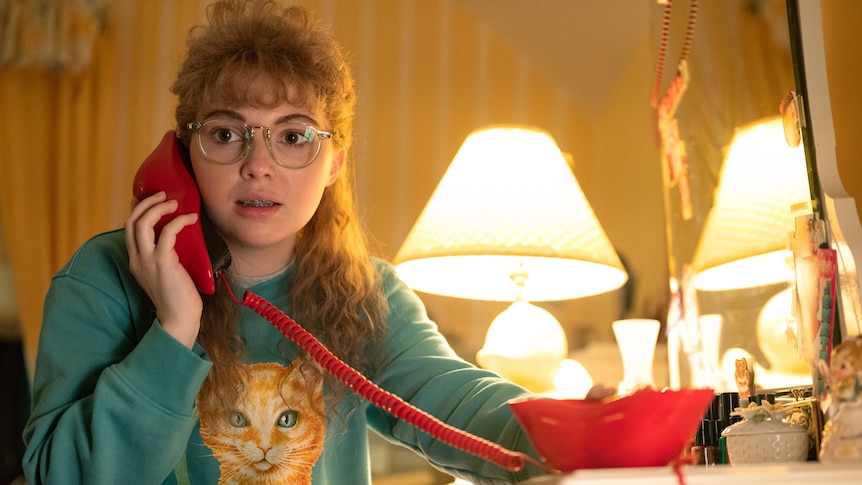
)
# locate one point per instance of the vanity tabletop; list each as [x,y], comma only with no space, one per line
[802,473]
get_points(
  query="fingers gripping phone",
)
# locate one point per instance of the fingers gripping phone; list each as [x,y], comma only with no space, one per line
[167,169]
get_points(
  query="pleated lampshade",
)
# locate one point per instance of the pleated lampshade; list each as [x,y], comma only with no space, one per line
[509,206]
[744,240]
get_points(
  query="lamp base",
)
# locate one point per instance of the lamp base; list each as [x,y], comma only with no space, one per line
[526,345]
[536,372]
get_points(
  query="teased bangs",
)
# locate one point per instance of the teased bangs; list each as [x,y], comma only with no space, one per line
[240,85]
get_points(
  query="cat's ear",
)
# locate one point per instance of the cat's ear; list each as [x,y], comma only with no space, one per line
[312,375]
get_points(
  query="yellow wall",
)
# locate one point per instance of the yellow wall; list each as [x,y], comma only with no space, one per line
[841,21]
[427,74]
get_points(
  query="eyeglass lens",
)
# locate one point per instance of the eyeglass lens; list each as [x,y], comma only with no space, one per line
[293,145]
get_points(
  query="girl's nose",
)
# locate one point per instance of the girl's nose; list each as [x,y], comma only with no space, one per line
[258,162]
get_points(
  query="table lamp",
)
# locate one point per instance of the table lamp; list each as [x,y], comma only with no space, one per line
[744,240]
[509,222]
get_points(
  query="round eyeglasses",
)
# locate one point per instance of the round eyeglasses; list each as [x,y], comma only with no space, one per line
[291,144]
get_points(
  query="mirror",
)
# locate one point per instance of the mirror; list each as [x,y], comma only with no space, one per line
[725,201]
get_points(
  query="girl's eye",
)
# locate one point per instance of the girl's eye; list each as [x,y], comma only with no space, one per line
[291,137]
[226,135]
[223,135]
[287,419]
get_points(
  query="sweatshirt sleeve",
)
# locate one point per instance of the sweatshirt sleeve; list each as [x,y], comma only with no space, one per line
[113,393]
[422,369]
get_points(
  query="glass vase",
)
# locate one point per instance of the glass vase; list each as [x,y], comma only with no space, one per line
[636,339]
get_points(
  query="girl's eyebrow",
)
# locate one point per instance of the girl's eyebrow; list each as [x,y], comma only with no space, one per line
[298,117]
[223,112]
[284,119]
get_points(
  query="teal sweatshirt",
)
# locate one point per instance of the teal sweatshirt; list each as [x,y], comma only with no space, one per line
[114,394]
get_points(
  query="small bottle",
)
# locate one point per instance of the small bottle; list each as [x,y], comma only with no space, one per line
[705,449]
[697,457]
[723,458]
[710,442]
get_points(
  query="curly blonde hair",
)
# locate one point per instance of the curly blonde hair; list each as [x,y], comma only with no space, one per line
[337,292]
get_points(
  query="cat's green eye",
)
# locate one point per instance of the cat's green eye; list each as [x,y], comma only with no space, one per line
[287,419]
[238,420]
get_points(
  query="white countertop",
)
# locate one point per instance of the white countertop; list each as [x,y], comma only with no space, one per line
[807,473]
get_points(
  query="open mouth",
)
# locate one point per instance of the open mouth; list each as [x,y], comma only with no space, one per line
[256,203]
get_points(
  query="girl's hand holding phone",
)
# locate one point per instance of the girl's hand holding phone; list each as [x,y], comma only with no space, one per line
[156,266]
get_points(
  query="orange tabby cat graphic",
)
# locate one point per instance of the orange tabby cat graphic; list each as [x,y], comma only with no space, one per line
[276,433]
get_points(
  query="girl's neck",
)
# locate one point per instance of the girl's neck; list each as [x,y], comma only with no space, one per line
[259,265]
[245,281]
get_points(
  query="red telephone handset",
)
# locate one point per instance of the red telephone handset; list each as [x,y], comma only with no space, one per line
[165,170]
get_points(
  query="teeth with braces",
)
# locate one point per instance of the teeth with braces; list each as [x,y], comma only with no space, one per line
[257,203]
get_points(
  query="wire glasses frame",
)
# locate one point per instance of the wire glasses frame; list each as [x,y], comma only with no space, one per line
[226,141]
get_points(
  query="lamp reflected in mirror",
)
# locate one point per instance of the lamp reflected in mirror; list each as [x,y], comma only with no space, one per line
[744,246]
[509,222]
[744,240]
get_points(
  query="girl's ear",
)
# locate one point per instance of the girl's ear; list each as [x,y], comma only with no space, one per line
[335,169]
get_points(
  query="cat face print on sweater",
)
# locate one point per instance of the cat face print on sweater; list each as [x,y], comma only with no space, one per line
[275,435]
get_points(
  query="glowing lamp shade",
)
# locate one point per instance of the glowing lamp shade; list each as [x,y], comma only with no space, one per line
[508,222]
[744,240]
[509,202]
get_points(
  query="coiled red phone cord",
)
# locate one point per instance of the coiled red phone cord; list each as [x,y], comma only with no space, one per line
[385,400]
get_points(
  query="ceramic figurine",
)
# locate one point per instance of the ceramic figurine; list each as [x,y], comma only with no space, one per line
[842,434]
[744,380]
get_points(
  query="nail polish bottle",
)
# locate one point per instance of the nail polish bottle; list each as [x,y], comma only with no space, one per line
[697,457]
[710,440]
[705,449]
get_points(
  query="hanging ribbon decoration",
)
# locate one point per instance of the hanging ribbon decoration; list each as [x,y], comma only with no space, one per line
[686,46]
[673,147]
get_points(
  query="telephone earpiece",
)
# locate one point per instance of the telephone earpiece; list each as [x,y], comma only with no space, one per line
[164,170]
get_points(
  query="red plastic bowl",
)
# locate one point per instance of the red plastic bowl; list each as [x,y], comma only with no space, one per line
[646,428]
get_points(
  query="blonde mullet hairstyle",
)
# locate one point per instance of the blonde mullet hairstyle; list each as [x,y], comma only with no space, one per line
[337,293]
